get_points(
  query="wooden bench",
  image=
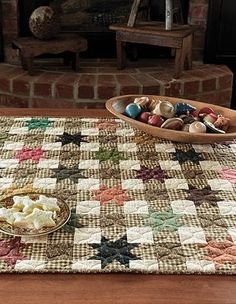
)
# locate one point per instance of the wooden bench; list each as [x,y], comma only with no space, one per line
[179,38]
[30,48]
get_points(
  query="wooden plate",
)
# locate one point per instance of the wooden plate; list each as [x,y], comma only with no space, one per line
[62,217]
[173,135]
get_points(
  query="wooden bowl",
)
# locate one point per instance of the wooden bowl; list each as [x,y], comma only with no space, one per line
[173,135]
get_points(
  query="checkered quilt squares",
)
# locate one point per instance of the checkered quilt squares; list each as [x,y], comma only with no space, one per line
[138,203]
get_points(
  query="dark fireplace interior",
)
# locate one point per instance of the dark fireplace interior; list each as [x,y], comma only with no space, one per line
[91,19]
[220,37]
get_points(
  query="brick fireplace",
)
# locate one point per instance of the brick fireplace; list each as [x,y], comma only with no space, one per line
[98,79]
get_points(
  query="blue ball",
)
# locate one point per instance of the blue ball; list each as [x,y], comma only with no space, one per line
[133,110]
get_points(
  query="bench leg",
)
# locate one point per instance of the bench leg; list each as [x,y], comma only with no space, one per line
[189,46]
[67,58]
[179,62]
[75,61]
[121,56]
[29,62]
[23,63]
[183,54]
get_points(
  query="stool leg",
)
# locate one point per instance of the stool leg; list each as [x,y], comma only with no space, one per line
[67,58]
[29,62]
[179,62]
[185,52]
[75,61]
[121,56]
[189,55]
[23,62]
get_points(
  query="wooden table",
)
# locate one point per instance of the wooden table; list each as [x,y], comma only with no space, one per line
[110,288]
[31,47]
[179,38]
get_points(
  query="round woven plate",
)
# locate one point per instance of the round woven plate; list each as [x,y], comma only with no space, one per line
[62,217]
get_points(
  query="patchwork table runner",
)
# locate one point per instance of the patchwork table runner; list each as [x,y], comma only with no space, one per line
[138,203]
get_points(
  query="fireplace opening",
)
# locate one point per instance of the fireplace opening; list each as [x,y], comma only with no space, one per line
[91,19]
[220,45]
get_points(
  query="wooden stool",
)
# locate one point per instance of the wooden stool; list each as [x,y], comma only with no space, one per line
[179,38]
[31,47]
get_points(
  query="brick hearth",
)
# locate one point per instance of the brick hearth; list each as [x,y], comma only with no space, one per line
[55,86]
[99,80]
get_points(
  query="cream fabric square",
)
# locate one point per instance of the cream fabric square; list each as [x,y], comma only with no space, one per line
[183,207]
[125,132]
[9,163]
[127,147]
[232,233]
[176,183]
[148,265]
[88,184]
[93,146]
[200,266]
[56,146]
[233,147]
[89,119]
[165,148]
[90,132]
[87,236]
[86,265]
[88,207]
[54,131]
[19,130]
[136,207]
[129,164]
[227,207]
[140,235]
[11,145]
[30,265]
[6,182]
[21,118]
[34,239]
[89,164]
[61,119]
[169,165]
[191,235]
[48,163]
[210,165]
[132,184]
[45,183]
[203,148]
[220,184]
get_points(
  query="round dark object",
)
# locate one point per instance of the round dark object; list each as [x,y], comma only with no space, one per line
[44,23]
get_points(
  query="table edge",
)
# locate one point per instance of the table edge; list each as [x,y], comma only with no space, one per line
[61,112]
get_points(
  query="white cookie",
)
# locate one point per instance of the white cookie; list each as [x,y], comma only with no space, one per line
[48,203]
[19,202]
[41,219]
[7,215]
[21,221]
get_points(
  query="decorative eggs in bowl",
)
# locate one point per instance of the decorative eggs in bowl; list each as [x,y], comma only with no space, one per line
[175,119]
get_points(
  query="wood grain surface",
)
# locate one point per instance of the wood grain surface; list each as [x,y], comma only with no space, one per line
[174,135]
[110,288]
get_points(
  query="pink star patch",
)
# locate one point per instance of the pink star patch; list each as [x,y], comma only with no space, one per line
[104,125]
[29,153]
[115,194]
[228,174]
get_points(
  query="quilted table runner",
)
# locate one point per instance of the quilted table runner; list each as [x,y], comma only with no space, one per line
[138,203]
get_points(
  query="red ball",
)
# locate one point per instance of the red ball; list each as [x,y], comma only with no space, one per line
[144,116]
[155,120]
[194,113]
[204,111]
